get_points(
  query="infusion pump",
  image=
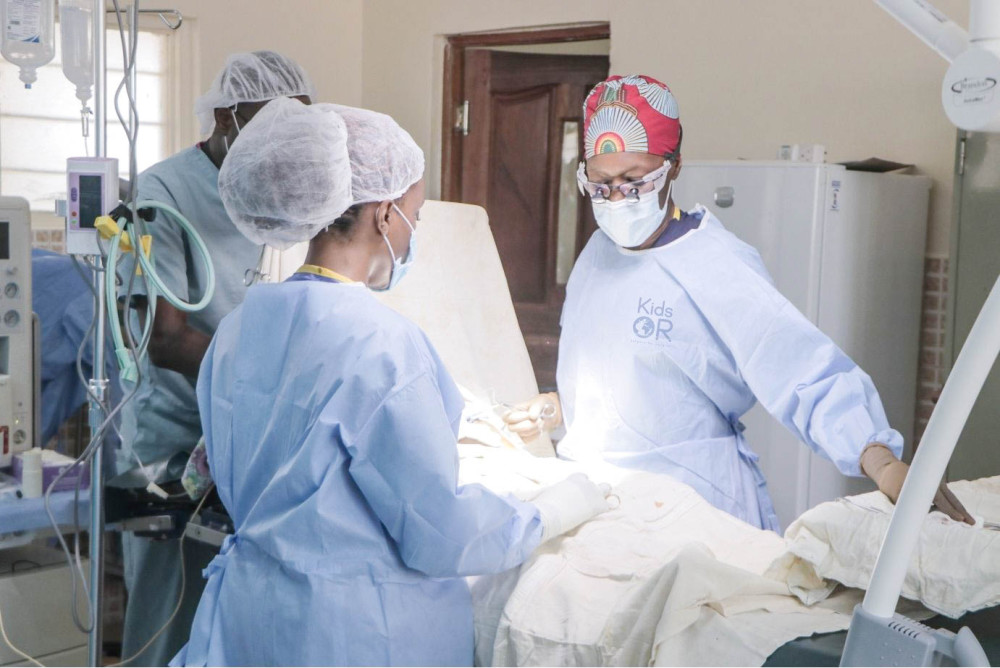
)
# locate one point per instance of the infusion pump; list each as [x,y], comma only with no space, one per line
[17,331]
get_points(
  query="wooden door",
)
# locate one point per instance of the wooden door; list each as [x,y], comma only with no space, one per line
[520,148]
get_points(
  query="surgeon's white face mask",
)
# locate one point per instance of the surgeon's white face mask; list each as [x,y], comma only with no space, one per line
[629,224]
[400,265]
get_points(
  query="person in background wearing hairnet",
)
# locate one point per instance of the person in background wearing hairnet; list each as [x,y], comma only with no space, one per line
[331,424]
[672,330]
[162,420]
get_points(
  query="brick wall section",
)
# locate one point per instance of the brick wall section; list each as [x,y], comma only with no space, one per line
[931,375]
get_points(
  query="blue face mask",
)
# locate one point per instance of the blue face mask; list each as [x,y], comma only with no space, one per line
[400,265]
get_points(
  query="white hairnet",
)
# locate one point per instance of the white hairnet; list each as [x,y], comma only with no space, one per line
[288,174]
[385,161]
[251,77]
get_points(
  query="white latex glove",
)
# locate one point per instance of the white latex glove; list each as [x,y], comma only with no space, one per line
[567,504]
[542,414]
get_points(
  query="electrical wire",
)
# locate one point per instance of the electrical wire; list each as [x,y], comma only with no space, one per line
[3,632]
[74,559]
[86,279]
[96,441]
[180,596]
[128,344]
[33,564]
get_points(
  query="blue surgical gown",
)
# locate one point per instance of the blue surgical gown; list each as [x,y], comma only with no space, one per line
[65,307]
[662,351]
[330,425]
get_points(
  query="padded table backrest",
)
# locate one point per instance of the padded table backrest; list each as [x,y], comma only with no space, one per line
[457,293]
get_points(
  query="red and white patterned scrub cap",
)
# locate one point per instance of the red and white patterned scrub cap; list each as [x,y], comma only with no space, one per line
[632,114]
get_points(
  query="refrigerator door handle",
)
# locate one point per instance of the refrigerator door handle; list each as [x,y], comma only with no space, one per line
[724,196]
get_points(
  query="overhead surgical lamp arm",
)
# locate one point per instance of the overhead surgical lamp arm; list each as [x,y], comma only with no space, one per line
[926,22]
[957,398]
[877,635]
[975,359]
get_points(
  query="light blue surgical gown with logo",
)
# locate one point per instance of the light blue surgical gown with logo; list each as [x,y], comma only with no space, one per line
[662,351]
[330,425]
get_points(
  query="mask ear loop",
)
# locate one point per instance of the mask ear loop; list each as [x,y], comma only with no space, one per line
[236,124]
[385,237]
[406,220]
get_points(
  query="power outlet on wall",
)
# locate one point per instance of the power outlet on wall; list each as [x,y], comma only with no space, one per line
[802,153]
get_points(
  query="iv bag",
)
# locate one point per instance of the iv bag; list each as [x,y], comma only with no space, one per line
[28,37]
[76,38]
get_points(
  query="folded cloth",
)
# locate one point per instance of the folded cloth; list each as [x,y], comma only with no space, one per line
[955,568]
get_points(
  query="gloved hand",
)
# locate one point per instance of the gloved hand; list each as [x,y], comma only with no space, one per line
[567,504]
[529,419]
[197,479]
[879,464]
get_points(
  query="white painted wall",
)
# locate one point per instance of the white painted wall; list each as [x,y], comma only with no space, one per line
[749,76]
[324,36]
[404,51]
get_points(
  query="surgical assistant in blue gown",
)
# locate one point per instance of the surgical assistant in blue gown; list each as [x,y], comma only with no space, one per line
[64,304]
[330,425]
[663,350]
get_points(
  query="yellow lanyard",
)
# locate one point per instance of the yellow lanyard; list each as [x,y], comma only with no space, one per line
[324,272]
[677,213]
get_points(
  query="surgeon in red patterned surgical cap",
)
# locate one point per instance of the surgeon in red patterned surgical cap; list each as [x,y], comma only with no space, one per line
[672,330]
[632,142]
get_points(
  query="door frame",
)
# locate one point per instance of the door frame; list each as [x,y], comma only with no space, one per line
[454,74]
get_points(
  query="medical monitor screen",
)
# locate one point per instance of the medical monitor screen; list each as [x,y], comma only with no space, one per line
[4,241]
[90,200]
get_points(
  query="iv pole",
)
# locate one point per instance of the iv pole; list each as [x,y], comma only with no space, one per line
[98,383]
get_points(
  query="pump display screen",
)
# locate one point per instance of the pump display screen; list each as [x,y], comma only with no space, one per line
[90,200]
[4,241]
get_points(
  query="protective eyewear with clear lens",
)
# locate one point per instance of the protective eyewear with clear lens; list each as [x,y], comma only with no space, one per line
[601,192]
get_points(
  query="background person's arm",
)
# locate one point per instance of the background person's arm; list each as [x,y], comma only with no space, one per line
[175,345]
